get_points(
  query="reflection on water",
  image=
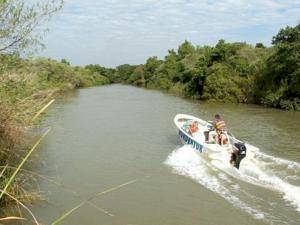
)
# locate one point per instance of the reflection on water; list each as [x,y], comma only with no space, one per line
[102,137]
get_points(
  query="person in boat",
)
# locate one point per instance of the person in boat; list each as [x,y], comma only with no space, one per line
[221,138]
[193,127]
[219,126]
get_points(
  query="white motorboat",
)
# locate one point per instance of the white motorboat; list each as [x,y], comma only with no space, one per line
[204,140]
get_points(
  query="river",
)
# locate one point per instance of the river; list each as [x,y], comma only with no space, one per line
[108,136]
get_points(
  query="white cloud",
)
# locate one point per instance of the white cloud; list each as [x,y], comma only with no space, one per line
[112,32]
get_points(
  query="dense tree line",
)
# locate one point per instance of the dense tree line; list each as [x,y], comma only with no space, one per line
[279,83]
[26,85]
[235,72]
[22,77]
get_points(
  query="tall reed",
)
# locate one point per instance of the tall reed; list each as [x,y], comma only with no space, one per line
[69,212]
[22,163]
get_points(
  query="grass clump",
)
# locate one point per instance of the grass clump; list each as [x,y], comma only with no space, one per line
[27,88]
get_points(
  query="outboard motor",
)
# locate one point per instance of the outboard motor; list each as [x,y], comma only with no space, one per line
[239,152]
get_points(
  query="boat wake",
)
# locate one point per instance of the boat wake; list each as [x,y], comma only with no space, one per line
[264,171]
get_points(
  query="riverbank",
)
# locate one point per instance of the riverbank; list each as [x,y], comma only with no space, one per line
[27,88]
[227,72]
[101,150]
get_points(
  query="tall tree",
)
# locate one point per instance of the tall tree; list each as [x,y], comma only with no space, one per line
[281,80]
[19,20]
[185,49]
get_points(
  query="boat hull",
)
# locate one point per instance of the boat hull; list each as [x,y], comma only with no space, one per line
[199,142]
[188,140]
[196,141]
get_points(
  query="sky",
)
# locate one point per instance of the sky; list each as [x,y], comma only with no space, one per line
[115,32]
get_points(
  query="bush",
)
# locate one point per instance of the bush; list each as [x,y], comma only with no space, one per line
[219,85]
[10,133]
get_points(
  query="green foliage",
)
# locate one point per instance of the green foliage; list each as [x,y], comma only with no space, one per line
[287,35]
[259,45]
[220,85]
[171,68]
[22,77]
[222,51]
[225,72]
[161,82]
[122,73]
[185,49]
[279,83]
[100,74]
[235,72]
[152,64]
[177,89]
[137,77]
[64,61]
[19,20]
[195,85]
[96,68]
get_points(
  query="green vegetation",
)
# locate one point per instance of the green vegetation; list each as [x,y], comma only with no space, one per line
[227,72]
[234,72]
[26,86]
[18,22]
[279,83]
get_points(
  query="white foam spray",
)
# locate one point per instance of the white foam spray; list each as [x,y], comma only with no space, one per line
[186,161]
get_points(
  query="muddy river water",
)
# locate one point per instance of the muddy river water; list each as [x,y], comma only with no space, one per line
[108,136]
